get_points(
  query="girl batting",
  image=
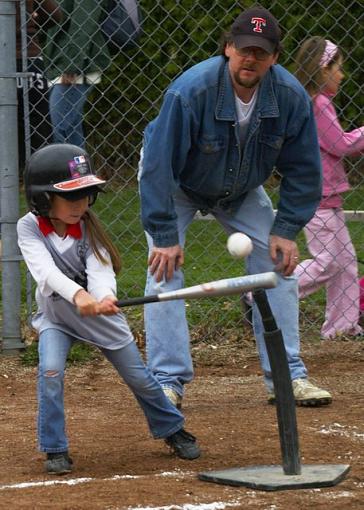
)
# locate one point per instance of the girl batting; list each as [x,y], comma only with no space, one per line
[74,263]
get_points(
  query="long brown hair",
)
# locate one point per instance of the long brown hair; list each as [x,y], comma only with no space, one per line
[308,68]
[98,237]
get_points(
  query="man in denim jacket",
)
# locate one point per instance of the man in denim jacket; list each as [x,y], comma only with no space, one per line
[223,126]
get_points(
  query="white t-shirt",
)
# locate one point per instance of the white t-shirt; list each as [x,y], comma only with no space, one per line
[244,112]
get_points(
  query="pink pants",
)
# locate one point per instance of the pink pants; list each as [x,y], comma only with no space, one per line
[334,265]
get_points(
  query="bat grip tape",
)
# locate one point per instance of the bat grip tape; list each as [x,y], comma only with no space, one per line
[137,301]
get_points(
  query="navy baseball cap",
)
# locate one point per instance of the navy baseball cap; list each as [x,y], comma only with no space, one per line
[256,27]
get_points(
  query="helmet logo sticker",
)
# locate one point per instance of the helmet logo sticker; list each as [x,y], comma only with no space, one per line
[78,167]
[80,159]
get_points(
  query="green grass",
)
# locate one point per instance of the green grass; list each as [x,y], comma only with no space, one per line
[206,259]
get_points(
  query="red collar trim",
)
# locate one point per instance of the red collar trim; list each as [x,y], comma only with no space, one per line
[46,227]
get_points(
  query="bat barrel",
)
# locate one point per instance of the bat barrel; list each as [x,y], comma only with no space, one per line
[225,287]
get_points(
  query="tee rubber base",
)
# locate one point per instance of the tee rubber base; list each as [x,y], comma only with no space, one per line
[272,478]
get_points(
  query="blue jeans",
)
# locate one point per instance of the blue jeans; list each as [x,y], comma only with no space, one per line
[166,328]
[162,417]
[66,103]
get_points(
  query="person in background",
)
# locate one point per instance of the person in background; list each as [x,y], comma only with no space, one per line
[333,263]
[73,263]
[40,15]
[223,126]
[76,55]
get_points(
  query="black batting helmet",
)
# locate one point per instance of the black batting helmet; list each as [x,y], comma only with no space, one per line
[59,168]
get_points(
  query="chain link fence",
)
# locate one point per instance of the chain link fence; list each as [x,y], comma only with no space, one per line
[127,94]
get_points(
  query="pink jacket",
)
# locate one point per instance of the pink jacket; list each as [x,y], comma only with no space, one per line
[334,145]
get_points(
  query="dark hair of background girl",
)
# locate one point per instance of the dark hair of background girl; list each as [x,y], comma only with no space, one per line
[308,69]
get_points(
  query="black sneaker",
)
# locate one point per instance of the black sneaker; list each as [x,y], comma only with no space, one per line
[184,445]
[58,463]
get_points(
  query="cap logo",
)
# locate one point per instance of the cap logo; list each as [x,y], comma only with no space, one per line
[258,22]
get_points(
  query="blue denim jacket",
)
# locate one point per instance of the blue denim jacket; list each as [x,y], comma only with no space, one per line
[193,143]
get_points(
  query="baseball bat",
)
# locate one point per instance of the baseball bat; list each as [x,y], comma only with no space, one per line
[225,287]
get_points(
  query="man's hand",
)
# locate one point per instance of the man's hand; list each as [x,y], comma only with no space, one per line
[164,261]
[284,254]
[88,306]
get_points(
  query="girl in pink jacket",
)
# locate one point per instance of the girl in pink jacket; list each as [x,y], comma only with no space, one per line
[333,262]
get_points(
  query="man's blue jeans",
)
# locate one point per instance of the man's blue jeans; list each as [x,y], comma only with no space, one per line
[66,103]
[167,336]
[162,417]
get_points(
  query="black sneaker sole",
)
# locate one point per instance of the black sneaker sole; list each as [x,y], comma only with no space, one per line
[192,455]
[308,402]
[314,402]
[63,472]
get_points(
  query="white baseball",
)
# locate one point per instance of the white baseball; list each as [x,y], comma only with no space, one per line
[239,245]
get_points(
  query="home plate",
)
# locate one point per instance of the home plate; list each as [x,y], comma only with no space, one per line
[272,478]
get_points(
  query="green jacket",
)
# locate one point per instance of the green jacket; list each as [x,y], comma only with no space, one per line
[76,45]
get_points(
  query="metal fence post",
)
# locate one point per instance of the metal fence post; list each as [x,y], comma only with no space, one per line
[9,182]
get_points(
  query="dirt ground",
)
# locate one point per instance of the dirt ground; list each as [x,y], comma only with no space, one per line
[118,466]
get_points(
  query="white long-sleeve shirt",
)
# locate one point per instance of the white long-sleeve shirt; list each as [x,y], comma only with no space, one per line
[56,290]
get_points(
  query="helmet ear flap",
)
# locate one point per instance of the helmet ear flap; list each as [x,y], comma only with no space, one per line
[40,204]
